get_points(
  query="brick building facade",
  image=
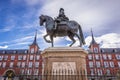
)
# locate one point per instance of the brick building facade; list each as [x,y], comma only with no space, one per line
[21,63]
[102,63]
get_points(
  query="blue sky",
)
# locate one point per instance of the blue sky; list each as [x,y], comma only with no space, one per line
[19,20]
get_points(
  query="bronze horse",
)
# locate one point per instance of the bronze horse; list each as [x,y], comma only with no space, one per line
[69,29]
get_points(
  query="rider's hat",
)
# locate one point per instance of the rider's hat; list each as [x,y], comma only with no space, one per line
[61,9]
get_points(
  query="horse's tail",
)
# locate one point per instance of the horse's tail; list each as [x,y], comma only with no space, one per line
[81,35]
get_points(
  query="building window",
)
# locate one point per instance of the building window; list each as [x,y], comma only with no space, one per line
[106,64]
[99,71]
[97,57]
[14,51]
[0,64]
[91,71]
[29,72]
[19,64]
[11,64]
[4,64]
[104,57]
[108,72]
[91,64]
[24,57]
[36,64]
[23,64]
[90,57]
[118,64]
[36,71]
[22,71]
[97,63]
[110,57]
[12,57]
[30,64]
[37,57]
[31,57]
[32,50]
[1,58]
[20,57]
[96,50]
[111,64]
[5,57]
[117,56]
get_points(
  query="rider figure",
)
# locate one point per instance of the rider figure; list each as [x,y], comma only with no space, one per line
[60,18]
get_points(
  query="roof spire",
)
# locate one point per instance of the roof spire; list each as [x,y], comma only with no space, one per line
[35,39]
[93,40]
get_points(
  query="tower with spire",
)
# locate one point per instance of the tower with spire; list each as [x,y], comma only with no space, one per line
[34,48]
[94,46]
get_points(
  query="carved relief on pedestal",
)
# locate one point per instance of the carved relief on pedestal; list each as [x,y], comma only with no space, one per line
[63,68]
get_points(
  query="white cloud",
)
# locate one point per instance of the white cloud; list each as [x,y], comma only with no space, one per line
[3,47]
[28,2]
[6,29]
[9,24]
[95,14]
[23,39]
[32,2]
[17,42]
[111,40]
[26,43]
[87,13]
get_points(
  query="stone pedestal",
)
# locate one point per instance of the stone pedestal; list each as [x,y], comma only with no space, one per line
[65,61]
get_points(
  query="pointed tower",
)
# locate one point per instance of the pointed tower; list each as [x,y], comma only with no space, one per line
[34,48]
[94,47]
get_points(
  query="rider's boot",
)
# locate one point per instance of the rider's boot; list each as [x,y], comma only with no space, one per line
[55,26]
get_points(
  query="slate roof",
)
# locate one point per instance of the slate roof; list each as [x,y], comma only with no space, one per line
[24,51]
[110,50]
[16,51]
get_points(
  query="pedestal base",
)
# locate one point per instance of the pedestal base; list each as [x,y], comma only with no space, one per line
[65,61]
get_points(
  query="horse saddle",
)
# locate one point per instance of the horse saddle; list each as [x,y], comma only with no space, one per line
[62,23]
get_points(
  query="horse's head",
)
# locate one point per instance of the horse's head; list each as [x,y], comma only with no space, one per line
[42,19]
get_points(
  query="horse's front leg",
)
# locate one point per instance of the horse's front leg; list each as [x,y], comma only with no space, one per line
[71,36]
[51,37]
[46,39]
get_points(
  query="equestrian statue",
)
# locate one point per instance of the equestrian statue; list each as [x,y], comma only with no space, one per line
[60,27]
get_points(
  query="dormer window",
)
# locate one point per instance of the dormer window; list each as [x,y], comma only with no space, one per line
[25,51]
[3,52]
[14,51]
[96,50]
[102,50]
[114,50]
[32,50]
